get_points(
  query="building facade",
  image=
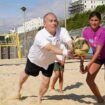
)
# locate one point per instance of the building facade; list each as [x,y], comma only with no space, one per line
[30,25]
[78,6]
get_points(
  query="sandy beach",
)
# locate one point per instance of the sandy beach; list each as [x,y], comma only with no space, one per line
[76,91]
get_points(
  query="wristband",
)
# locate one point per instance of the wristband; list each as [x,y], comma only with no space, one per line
[65,52]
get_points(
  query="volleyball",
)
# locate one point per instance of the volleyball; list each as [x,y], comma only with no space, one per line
[80,46]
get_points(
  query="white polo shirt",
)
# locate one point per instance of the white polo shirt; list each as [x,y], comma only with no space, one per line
[41,57]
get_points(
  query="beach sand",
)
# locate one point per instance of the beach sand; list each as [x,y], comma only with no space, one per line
[76,91]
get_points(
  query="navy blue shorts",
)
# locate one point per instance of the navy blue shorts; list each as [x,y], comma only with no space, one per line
[32,69]
[100,61]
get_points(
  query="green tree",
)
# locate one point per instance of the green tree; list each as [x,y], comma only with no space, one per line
[80,20]
[100,8]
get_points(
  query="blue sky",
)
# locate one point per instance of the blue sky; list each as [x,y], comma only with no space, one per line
[12,16]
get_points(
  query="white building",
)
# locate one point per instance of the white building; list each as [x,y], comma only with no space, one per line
[30,25]
[84,5]
[13,30]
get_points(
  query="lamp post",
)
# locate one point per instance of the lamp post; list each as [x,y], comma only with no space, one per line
[65,14]
[24,38]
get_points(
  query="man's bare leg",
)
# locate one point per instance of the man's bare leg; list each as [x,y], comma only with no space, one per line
[44,87]
[22,79]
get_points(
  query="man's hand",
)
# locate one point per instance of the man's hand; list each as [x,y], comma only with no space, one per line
[71,54]
[74,56]
[67,53]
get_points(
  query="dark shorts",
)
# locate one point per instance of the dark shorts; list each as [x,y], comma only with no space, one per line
[32,69]
[100,61]
[58,67]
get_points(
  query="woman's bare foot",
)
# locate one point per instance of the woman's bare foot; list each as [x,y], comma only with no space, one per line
[101,100]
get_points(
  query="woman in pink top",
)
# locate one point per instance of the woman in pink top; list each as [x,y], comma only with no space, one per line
[95,35]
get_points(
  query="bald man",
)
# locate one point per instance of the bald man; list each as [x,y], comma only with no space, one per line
[43,53]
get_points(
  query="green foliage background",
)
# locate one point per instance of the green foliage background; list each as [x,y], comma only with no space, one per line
[81,20]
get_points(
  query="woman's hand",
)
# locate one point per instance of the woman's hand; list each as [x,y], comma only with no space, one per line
[87,67]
